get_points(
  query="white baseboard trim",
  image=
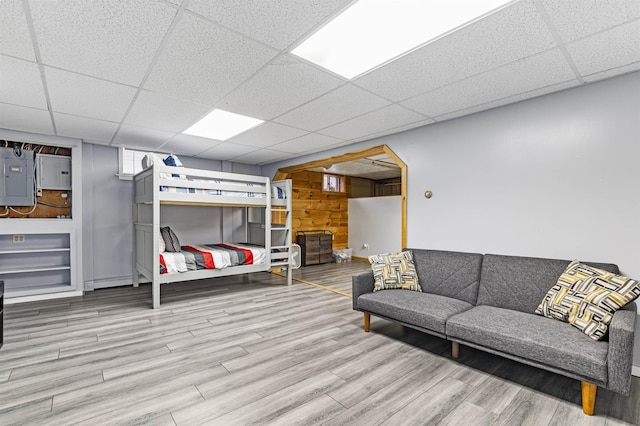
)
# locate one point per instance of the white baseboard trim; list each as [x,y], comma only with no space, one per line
[110,282]
[39,297]
[635,370]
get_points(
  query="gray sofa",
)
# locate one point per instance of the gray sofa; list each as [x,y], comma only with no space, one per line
[488,302]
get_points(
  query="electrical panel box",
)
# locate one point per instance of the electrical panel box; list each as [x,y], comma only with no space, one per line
[53,172]
[17,179]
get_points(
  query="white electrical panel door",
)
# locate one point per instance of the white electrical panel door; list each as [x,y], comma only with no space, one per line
[16,177]
[53,172]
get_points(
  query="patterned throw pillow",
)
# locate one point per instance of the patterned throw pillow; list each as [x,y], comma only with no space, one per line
[394,271]
[587,297]
[171,242]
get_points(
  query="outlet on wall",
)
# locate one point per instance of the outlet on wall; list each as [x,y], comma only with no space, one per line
[17,238]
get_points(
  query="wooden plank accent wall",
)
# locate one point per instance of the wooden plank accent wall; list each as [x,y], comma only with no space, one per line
[314,209]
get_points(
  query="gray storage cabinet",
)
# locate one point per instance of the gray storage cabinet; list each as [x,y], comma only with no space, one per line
[316,246]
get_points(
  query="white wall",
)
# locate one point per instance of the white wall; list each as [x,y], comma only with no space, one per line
[376,221]
[551,177]
[555,176]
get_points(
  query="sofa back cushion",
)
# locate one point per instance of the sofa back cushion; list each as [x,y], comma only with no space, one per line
[520,283]
[447,273]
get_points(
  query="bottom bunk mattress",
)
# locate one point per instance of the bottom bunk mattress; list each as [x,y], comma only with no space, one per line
[211,256]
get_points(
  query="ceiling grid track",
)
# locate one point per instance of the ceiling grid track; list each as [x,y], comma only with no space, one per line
[36,51]
[152,64]
[559,41]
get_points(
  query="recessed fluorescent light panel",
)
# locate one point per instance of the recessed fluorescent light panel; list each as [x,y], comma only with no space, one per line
[222,125]
[372,32]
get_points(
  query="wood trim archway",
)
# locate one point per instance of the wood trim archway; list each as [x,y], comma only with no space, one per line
[285,173]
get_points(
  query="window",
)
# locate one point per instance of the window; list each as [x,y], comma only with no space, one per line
[333,183]
[129,162]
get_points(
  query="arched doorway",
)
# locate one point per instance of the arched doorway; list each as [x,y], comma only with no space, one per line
[344,160]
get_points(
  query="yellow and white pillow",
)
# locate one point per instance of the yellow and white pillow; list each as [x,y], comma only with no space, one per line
[587,297]
[394,271]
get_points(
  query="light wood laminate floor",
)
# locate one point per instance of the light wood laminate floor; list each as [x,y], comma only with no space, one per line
[250,350]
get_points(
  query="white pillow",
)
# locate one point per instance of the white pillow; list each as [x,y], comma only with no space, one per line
[149,159]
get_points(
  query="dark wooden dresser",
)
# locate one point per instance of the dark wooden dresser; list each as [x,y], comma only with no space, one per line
[316,246]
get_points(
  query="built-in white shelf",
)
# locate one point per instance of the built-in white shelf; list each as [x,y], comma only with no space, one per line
[53,250]
[41,258]
[41,262]
[31,269]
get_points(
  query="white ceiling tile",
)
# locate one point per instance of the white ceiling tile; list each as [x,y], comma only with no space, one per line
[306,143]
[111,39]
[262,156]
[89,129]
[21,83]
[612,72]
[14,32]
[202,62]
[606,50]
[509,100]
[512,33]
[373,122]
[141,137]
[522,76]
[226,151]
[394,130]
[188,144]
[33,120]
[281,86]
[576,19]
[276,23]
[87,96]
[335,107]
[267,134]
[164,112]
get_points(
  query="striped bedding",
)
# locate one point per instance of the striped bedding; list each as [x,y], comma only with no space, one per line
[211,256]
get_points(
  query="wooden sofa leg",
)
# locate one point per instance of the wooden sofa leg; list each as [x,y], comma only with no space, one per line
[588,397]
[455,349]
[367,322]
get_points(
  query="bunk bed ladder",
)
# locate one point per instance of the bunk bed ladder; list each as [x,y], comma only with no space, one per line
[281,232]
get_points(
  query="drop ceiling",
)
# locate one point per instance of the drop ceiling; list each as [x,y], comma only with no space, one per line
[138,73]
[375,167]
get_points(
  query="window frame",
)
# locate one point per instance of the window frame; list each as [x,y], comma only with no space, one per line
[341,187]
[127,174]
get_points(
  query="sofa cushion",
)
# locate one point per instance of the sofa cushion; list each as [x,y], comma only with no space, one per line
[428,311]
[394,271]
[451,274]
[520,283]
[587,298]
[532,337]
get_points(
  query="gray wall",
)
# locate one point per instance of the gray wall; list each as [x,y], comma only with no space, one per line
[554,176]
[107,216]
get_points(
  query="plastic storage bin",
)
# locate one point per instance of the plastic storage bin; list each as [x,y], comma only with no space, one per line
[342,255]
